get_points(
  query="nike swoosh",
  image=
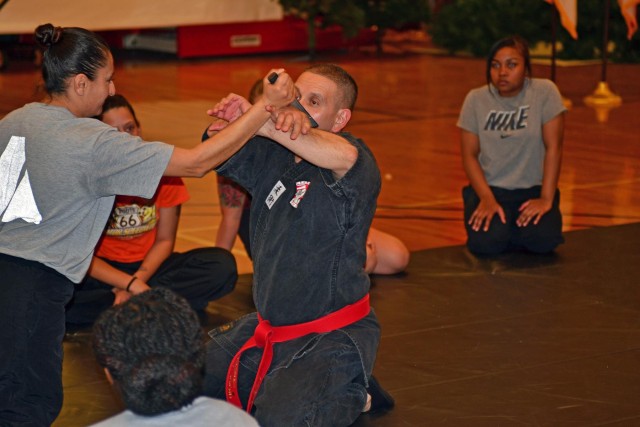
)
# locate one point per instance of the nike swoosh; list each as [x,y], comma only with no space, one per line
[504,136]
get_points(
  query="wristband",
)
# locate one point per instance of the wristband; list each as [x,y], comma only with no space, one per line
[133,279]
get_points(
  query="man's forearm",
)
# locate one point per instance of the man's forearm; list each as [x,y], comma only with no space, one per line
[323,149]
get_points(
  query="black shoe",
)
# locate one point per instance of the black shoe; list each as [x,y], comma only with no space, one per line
[381,401]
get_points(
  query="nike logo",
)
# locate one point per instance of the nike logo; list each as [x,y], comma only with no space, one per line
[504,136]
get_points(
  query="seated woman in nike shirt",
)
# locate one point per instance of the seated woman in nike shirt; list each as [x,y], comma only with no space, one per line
[512,131]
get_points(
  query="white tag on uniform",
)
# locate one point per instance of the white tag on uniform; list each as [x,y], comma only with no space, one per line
[275,194]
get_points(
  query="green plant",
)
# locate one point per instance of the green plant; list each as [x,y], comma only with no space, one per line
[354,15]
[396,14]
[474,25]
[323,13]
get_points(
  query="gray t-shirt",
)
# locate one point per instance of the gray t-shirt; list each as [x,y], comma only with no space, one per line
[203,412]
[510,131]
[58,178]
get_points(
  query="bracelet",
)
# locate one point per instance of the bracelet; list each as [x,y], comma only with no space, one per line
[133,279]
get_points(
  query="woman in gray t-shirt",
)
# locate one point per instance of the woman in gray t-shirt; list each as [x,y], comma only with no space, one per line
[512,131]
[59,172]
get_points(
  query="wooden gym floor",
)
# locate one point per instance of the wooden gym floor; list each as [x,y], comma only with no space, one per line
[511,340]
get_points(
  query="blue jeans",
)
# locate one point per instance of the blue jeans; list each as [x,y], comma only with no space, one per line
[541,238]
[315,380]
[32,300]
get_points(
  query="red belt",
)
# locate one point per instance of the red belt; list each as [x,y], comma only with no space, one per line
[266,335]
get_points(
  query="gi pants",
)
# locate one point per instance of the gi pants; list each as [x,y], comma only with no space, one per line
[316,380]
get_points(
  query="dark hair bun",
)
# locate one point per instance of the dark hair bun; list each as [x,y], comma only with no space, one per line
[47,35]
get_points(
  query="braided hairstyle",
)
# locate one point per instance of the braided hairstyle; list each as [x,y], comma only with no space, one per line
[68,52]
[153,347]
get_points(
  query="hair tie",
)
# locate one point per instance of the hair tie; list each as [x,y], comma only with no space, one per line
[130,283]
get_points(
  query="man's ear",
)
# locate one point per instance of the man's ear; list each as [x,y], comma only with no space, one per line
[342,118]
[80,83]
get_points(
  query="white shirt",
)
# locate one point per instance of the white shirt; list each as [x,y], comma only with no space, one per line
[204,411]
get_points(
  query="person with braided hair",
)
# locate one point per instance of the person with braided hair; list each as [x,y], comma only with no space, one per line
[160,377]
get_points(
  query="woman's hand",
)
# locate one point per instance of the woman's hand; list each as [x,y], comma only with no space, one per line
[216,126]
[482,216]
[532,210]
[230,108]
[138,286]
[120,296]
[280,93]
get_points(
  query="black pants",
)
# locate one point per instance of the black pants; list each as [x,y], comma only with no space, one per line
[541,238]
[200,275]
[32,301]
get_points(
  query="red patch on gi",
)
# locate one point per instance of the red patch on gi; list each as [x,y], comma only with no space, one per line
[301,189]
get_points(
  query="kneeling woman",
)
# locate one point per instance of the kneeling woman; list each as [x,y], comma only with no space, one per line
[512,131]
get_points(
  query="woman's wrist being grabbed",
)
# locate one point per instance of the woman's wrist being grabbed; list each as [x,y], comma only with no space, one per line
[136,286]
